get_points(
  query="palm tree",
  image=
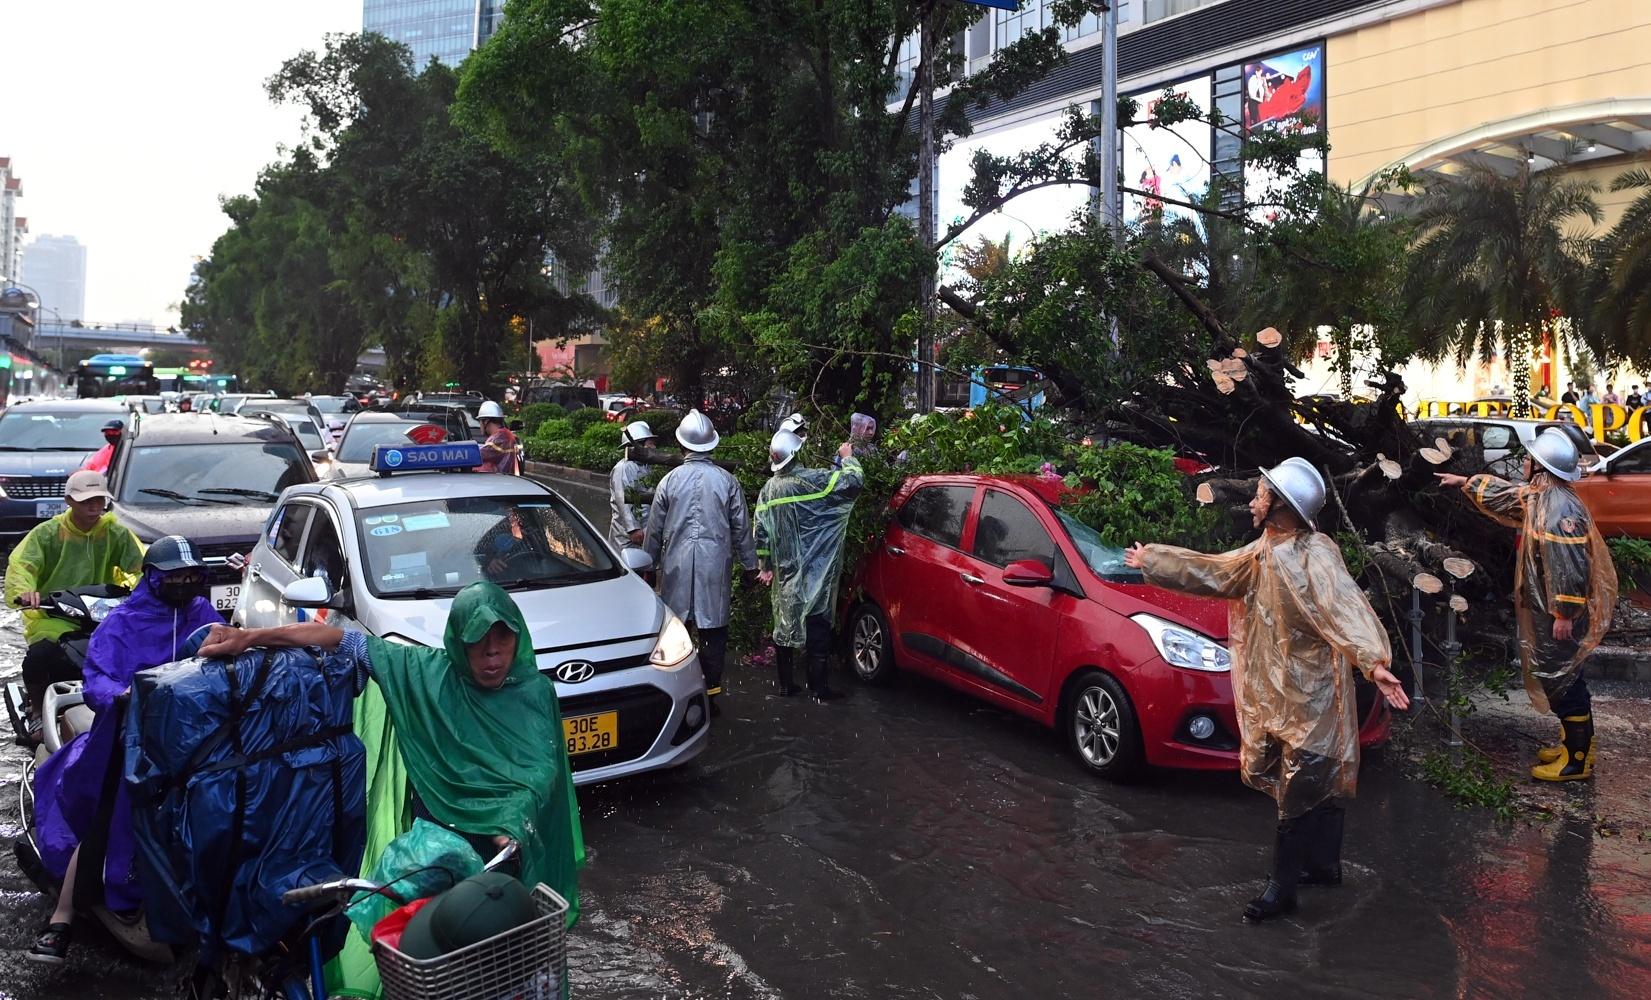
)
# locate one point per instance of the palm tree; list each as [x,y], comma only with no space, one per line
[1621,288]
[1494,264]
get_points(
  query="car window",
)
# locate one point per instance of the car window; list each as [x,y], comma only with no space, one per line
[250,472]
[435,547]
[324,553]
[34,431]
[1631,461]
[290,522]
[363,436]
[1106,561]
[937,512]
[1008,532]
[1495,437]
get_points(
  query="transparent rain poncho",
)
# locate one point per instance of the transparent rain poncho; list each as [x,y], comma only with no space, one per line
[1297,623]
[1564,570]
[802,516]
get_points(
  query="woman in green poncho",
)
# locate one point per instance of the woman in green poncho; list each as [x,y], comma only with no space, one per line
[478,726]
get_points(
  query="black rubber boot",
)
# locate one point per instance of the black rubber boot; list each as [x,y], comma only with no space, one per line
[784,679]
[1323,854]
[1578,762]
[817,679]
[1279,897]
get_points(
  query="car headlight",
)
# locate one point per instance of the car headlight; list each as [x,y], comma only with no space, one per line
[674,645]
[1182,647]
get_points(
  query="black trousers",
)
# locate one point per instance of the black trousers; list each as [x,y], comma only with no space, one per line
[1574,700]
[44,664]
[713,653]
[817,647]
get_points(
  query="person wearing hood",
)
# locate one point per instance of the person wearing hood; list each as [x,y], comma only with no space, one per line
[478,727]
[1298,625]
[83,817]
[802,516]
[80,547]
[1565,589]
[697,529]
[625,526]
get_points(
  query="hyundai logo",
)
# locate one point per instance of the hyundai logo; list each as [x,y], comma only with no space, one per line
[575,672]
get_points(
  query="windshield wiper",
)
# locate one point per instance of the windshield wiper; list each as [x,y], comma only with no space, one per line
[423,593]
[175,495]
[16,447]
[241,491]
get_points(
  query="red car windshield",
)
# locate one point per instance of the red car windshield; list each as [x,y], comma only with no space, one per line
[1105,561]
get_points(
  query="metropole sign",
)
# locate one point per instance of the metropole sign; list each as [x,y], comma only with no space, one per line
[1600,419]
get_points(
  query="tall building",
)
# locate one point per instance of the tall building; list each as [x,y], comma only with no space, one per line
[55,267]
[12,226]
[441,29]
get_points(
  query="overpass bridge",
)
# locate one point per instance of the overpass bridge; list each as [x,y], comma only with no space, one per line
[67,343]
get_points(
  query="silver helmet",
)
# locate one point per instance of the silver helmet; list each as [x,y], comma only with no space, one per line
[638,431]
[782,450]
[1554,450]
[696,433]
[795,424]
[1300,485]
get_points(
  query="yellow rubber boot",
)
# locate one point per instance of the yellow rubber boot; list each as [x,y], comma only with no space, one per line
[1577,761]
[1547,755]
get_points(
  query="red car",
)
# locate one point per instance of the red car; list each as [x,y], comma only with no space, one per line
[983,584]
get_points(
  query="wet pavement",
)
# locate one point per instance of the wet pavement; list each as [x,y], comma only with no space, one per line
[908,842]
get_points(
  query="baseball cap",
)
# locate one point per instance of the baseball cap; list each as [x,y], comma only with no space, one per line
[480,907]
[86,484]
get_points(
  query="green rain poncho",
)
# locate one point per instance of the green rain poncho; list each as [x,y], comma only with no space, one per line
[802,516]
[56,555]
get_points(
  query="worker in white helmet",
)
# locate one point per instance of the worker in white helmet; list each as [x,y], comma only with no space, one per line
[499,447]
[625,528]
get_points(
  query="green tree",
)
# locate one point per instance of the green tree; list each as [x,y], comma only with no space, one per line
[1621,285]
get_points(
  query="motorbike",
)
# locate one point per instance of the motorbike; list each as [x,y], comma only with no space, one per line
[65,715]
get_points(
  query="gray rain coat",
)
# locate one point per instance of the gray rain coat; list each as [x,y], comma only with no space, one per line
[626,518]
[694,524]
[802,516]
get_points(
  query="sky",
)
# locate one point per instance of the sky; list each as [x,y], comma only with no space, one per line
[128,119]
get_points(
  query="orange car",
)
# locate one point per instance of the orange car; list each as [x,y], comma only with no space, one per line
[1618,492]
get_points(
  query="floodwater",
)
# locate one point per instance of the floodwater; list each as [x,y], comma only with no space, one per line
[907,842]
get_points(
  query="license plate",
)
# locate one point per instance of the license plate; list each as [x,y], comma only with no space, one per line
[49,508]
[590,733]
[225,595]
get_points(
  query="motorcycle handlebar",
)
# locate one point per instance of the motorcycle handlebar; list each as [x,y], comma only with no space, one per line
[343,887]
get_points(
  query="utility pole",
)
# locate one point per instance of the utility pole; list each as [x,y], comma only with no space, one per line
[1109,119]
[925,205]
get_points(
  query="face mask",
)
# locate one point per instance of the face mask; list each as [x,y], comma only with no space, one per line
[177,593]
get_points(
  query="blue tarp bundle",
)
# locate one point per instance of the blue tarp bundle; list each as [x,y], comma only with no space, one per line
[246,781]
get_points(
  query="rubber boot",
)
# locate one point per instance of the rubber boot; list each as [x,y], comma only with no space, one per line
[817,679]
[783,677]
[1547,755]
[1578,762]
[1323,864]
[1279,897]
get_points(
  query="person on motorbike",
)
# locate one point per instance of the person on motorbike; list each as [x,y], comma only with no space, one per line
[83,820]
[478,725]
[80,547]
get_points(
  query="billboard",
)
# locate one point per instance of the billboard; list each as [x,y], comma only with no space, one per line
[1166,160]
[1285,91]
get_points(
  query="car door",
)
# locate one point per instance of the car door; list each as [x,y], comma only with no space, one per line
[1007,635]
[921,563]
[273,564]
[323,556]
[1619,496]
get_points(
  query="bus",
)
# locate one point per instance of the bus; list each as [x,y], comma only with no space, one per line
[189,380]
[114,375]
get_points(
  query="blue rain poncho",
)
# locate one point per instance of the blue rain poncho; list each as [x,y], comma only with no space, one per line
[802,516]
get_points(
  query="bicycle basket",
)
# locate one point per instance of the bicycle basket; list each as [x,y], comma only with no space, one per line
[524,963]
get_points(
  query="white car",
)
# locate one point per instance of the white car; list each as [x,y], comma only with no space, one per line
[1503,440]
[386,554]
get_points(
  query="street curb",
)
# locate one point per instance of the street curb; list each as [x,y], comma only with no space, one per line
[1619,663]
[566,473]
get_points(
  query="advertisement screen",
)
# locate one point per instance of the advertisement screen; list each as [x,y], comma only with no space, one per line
[1172,161]
[1285,91]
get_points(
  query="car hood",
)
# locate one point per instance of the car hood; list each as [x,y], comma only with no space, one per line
[561,618]
[1204,614]
[203,525]
[41,463]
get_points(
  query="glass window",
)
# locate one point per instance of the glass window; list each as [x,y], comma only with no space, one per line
[1012,25]
[195,472]
[365,435]
[324,554]
[1496,437]
[433,548]
[1633,460]
[1157,10]
[36,431]
[1106,561]
[289,530]
[937,512]
[1008,532]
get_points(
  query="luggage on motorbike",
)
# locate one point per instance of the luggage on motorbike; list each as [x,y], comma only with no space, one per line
[246,781]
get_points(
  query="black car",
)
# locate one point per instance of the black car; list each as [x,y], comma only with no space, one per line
[40,444]
[212,479]
[568,397]
[371,428]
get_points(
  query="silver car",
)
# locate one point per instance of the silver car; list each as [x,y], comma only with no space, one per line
[386,555]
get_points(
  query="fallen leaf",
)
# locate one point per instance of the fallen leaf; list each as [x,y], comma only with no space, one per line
[1204,493]
[1460,568]
[1269,337]
[1427,583]
[1458,603]
[1435,456]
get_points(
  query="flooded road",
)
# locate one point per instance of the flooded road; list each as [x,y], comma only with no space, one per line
[907,842]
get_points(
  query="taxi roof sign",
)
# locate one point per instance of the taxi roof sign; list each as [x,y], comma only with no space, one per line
[388,458]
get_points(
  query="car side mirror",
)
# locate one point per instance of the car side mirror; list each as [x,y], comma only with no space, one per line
[308,592]
[1028,573]
[321,456]
[636,560]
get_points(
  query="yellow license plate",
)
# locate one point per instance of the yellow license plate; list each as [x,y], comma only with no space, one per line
[591,733]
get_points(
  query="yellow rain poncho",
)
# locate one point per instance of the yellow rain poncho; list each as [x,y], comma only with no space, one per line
[1296,622]
[56,555]
[1564,570]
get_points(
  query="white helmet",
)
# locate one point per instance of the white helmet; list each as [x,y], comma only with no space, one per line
[795,424]
[1301,486]
[638,431]
[491,410]
[1555,451]
[782,450]
[696,432]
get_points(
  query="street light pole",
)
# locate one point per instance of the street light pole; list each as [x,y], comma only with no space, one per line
[925,205]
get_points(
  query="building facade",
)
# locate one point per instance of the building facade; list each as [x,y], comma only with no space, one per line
[444,30]
[55,267]
[13,227]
